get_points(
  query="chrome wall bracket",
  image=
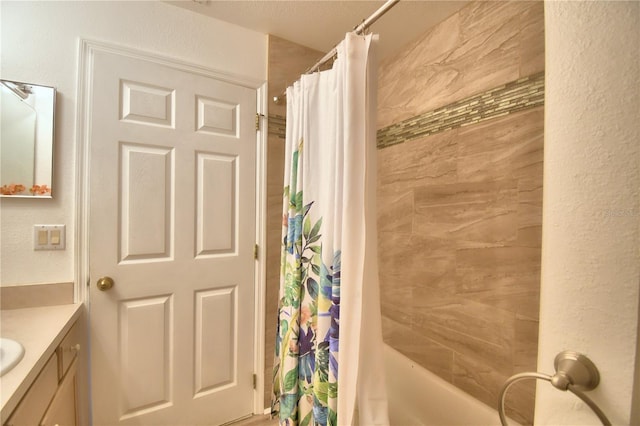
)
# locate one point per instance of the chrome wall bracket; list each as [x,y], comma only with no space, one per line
[574,373]
[573,368]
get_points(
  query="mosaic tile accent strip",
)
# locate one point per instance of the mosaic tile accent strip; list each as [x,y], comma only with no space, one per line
[277,126]
[527,92]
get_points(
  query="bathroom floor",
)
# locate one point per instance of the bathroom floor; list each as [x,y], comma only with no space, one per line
[256,421]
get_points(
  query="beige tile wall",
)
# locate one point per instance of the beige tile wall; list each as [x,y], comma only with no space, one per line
[287,61]
[460,211]
[482,46]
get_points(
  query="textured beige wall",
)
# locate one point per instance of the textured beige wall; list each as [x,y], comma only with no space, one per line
[460,212]
[287,60]
[590,268]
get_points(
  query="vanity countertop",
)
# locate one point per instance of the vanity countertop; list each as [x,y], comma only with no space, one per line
[40,330]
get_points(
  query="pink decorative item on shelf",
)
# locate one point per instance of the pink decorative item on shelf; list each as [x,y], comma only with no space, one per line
[40,190]
[12,189]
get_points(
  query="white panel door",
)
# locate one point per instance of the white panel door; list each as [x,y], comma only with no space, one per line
[172,221]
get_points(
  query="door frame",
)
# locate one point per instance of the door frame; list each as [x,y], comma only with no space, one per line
[86,50]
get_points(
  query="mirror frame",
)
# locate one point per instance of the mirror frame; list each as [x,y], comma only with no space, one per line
[37,191]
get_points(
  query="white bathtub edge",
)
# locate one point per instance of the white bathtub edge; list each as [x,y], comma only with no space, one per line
[419,397]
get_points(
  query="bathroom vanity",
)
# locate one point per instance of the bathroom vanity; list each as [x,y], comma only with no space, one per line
[42,388]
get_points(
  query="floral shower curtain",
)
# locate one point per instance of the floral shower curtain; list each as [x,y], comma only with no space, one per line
[328,362]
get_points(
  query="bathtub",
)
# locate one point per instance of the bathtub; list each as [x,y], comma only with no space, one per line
[419,397]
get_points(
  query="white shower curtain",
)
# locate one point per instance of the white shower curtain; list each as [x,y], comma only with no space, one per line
[328,363]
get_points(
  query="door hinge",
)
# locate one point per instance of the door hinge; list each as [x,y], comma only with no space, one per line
[257,121]
[255,252]
[255,381]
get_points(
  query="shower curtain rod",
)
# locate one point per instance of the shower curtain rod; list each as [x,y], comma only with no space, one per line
[358,29]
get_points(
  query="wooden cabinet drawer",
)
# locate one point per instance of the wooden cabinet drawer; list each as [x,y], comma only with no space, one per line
[62,411]
[67,350]
[35,402]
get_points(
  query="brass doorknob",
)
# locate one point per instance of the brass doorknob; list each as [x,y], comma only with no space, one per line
[105,283]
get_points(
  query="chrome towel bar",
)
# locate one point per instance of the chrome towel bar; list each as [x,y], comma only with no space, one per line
[574,373]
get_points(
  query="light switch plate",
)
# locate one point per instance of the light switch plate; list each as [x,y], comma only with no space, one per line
[49,237]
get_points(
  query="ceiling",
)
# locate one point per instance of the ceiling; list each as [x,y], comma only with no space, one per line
[320,24]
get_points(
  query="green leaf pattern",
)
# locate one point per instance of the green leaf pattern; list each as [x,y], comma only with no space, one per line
[305,374]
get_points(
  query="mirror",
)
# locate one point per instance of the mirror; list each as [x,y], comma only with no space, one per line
[26,139]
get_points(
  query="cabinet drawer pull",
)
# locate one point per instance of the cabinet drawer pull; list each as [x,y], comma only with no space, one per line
[73,348]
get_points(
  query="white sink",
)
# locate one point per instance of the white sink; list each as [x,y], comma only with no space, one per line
[11,352]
